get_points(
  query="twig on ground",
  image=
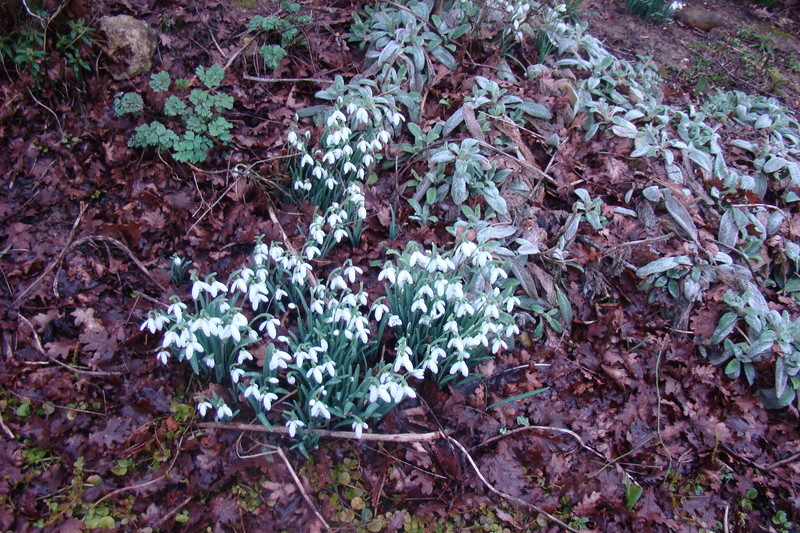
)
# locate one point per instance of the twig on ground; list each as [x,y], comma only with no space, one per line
[6,429]
[22,297]
[502,494]
[541,428]
[286,80]
[121,246]
[282,430]
[40,349]
[175,510]
[302,489]
[213,205]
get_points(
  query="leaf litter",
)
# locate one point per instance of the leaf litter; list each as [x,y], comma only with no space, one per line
[639,399]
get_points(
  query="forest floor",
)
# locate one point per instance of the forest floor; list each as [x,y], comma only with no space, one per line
[96,433]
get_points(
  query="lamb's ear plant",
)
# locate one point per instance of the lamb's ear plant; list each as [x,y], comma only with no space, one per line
[192,123]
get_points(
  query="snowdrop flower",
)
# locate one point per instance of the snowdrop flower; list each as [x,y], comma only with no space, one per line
[317,307]
[209,361]
[223,412]
[465,250]
[316,373]
[394,321]
[359,427]
[236,374]
[243,356]
[351,272]
[498,344]
[271,327]
[268,399]
[363,146]
[280,359]
[362,116]
[511,330]
[319,409]
[403,359]
[336,117]
[425,290]
[379,310]
[458,343]
[388,273]
[293,425]
[193,346]
[460,366]
[312,252]
[419,305]
[348,167]
[384,137]
[162,356]
[155,323]
[177,310]
[368,160]
[254,391]
[438,309]
[404,278]
[451,327]
[203,407]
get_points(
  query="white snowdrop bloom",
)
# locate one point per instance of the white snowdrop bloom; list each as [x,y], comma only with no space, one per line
[363,146]
[349,167]
[676,6]
[330,368]
[511,303]
[362,213]
[254,391]
[464,308]
[236,374]
[282,339]
[257,295]
[271,326]
[301,356]
[419,305]
[293,425]
[224,412]
[438,309]
[418,257]
[279,360]
[328,158]
[347,151]
[339,234]
[337,282]
[198,287]
[455,291]
[351,108]
[359,427]
[376,145]
[163,356]
[423,291]
[319,173]
[238,322]
[299,185]
[441,286]
[155,323]
[451,327]
[438,353]
[203,407]
[360,174]
[292,137]
[477,340]
[336,117]
[511,330]
[388,273]
[177,309]
[306,160]
[316,373]
[397,118]
[312,252]
[481,258]
[216,287]
[193,347]
[394,321]
[458,344]
[316,307]
[209,361]
[350,299]
[491,311]
[384,137]
[267,400]
[498,344]
[319,409]
[404,278]
[224,307]
[243,356]
[368,159]
[497,273]
[381,391]
[465,250]
[352,271]
[362,116]
[431,364]
[170,338]
[460,366]
[403,360]
[379,310]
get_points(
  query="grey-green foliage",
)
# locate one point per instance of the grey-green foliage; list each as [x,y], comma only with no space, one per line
[767,334]
[459,170]
[396,38]
[198,120]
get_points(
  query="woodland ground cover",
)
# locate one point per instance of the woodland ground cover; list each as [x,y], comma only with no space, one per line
[470,191]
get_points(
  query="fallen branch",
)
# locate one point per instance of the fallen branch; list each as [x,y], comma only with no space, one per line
[376,437]
[542,428]
[503,494]
[302,489]
[286,80]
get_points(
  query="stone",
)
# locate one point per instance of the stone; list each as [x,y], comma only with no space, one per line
[131,44]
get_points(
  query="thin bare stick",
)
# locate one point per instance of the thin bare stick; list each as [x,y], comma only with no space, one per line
[542,428]
[377,437]
[48,108]
[302,489]
[5,428]
[238,52]
[212,206]
[502,494]
[121,246]
[21,298]
[40,349]
[286,80]
[175,510]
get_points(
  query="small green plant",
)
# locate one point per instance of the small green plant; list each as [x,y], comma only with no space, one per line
[654,9]
[198,113]
[33,47]
[590,209]
[278,32]
[177,269]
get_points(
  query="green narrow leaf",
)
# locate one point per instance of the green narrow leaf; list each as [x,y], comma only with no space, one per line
[518,397]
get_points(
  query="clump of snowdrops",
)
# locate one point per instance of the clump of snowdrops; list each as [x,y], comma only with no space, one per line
[311,350]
